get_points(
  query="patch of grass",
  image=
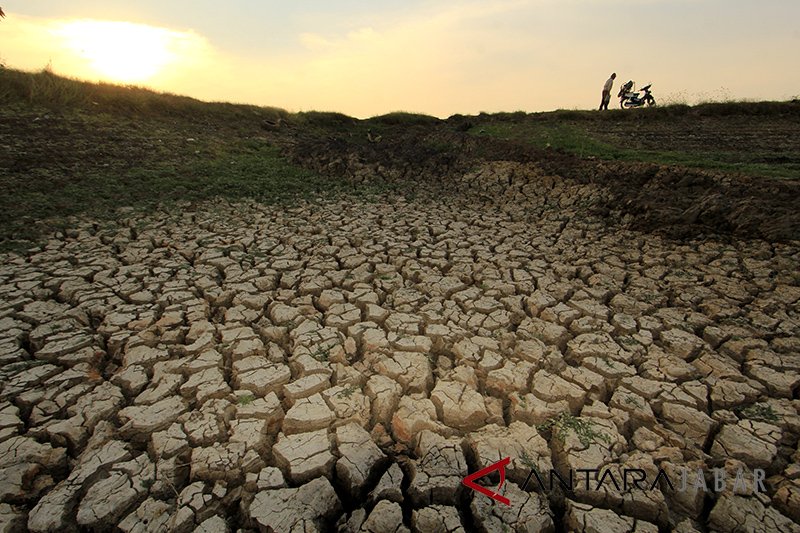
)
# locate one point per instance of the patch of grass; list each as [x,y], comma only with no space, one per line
[348,391]
[50,91]
[735,321]
[523,402]
[565,422]
[627,341]
[438,147]
[574,137]
[247,399]
[403,118]
[760,411]
[70,148]
[676,108]
[323,119]
[608,362]
[560,136]
[528,461]
[321,354]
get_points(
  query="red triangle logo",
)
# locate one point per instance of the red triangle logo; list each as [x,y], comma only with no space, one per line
[469,481]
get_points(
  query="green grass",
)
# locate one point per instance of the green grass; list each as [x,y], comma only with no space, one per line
[243,169]
[575,138]
[403,118]
[702,110]
[348,391]
[246,399]
[760,411]
[71,148]
[50,91]
[584,429]
[322,354]
[323,119]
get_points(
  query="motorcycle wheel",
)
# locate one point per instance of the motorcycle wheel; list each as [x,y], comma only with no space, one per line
[622,104]
[651,102]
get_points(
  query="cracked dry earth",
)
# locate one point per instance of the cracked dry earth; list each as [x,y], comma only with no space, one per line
[341,366]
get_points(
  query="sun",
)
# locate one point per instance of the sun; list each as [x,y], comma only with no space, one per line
[120,51]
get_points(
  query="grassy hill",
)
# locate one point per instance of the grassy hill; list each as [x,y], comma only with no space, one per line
[73,148]
[752,138]
[70,148]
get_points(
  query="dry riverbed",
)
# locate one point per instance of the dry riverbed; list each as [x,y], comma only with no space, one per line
[342,365]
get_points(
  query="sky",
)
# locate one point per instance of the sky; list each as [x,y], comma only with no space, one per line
[442,57]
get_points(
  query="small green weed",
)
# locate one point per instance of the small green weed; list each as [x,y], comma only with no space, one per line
[528,461]
[523,402]
[321,354]
[565,422]
[631,400]
[348,391]
[627,341]
[760,411]
[247,399]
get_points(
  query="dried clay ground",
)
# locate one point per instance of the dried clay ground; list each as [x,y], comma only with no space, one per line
[219,318]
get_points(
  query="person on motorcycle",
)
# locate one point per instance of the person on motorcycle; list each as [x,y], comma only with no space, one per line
[607,92]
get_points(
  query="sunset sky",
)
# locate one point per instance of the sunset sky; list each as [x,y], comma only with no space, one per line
[438,57]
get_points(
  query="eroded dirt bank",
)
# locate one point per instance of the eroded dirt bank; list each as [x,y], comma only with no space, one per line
[670,200]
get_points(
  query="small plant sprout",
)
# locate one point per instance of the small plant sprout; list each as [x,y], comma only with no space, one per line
[246,399]
[609,363]
[760,411]
[348,391]
[565,422]
[321,354]
[528,461]
[631,400]
[523,402]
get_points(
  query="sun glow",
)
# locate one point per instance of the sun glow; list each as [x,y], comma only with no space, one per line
[121,51]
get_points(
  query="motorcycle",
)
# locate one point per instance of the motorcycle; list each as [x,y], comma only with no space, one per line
[629,98]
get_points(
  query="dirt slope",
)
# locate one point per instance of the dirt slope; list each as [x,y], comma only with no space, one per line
[677,201]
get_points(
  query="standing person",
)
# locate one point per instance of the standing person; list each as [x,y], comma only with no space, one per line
[607,92]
